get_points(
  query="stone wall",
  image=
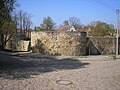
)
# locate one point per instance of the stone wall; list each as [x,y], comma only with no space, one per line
[101,45]
[59,43]
[72,44]
[21,45]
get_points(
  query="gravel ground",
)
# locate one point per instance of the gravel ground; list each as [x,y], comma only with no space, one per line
[42,74]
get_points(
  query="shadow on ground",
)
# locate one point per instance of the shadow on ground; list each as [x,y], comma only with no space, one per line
[15,68]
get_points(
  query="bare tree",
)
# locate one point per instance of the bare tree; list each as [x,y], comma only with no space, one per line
[74,21]
[23,21]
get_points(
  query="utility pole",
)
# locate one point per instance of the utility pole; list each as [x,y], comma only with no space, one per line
[117,36]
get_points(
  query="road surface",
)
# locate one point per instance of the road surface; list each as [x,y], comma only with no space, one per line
[22,73]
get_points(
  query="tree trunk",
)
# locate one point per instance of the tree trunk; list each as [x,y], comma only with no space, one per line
[2,46]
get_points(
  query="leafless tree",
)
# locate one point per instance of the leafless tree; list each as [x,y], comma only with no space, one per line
[23,21]
[74,21]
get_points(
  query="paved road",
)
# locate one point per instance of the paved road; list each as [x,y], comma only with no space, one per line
[20,73]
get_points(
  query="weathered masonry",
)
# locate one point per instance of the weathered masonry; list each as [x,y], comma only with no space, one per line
[59,43]
[71,44]
[101,45]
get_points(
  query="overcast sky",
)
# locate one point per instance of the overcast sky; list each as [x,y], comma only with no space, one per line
[60,10]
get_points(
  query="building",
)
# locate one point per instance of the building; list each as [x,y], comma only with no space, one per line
[66,28]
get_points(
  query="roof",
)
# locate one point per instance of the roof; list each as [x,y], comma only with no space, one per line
[87,30]
[64,28]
